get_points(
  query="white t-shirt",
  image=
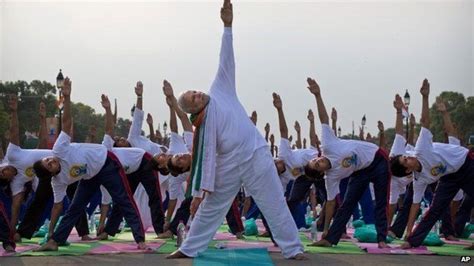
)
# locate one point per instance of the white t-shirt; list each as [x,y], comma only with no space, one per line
[130,158]
[137,140]
[295,160]
[346,157]
[177,145]
[188,139]
[23,160]
[78,161]
[398,184]
[437,159]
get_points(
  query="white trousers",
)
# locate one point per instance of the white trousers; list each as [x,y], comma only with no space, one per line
[260,179]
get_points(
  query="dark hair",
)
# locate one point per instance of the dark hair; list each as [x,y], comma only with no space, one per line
[397,169]
[174,170]
[313,173]
[40,171]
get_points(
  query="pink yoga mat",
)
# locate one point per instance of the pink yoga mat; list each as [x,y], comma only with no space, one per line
[308,235]
[129,247]
[460,242]
[224,236]
[246,245]
[372,248]
[19,249]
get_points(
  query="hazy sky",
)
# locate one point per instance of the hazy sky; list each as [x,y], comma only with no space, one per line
[361,53]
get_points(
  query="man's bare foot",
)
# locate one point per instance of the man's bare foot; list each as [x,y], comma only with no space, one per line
[17,238]
[299,256]
[9,249]
[164,235]
[451,238]
[102,236]
[471,247]
[240,235]
[264,234]
[177,255]
[143,246]
[383,245]
[321,243]
[391,234]
[405,245]
[86,238]
[51,245]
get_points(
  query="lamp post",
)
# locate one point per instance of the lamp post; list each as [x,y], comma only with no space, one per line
[165,136]
[339,132]
[59,85]
[362,122]
[406,100]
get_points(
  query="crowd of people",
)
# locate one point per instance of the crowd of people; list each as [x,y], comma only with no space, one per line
[222,166]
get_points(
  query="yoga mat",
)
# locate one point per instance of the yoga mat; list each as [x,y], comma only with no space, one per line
[19,249]
[170,245]
[372,248]
[75,249]
[247,257]
[460,242]
[451,250]
[224,236]
[238,244]
[120,247]
[341,248]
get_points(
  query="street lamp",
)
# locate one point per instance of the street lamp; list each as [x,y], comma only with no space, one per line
[364,120]
[339,132]
[59,85]
[165,127]
[132,110]
[406,100]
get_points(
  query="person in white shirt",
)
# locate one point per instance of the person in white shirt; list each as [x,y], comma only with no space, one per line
[453,165]
[135,162]
[235,154]
[92,165]
[362,162]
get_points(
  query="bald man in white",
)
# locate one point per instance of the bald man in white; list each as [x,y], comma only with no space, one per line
[230,152]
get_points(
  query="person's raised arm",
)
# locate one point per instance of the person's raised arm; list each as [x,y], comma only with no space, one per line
[115,111]
[173,120]
[139,93]
[225,78]
[43,130]
[425,109]
[109,117]
[253,117]
[67,116]
[14,129]
[448,125]
[316,91]
[298,135]
[168,91]
[272,146]
[411,132]
[281,116]
[334,120]
[382,141]
[313,139]
[267,131]
[398,104]
[149,121]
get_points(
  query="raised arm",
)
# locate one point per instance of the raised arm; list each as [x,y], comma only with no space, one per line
[43,130]
[313,139]
[14,130]
[109,117]
[281,116]
[173,120]
[382,141]
[425,109]
[67,116]
[334,120]
[149,121]
[253,117]
[139,93]
[411,132]
[316,91]
[448,125]
[115,111]
[398,104]
[168,91]
[272,146]
[225,78]
[298,143]
[267,131]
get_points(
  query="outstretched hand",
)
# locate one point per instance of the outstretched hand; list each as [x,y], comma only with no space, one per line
[105,101]
[334,114]
[412,120]
[139,88]
[398,103]
[425,88]
[167,89]
[277,101]
[313,87]
[310,115]
[297,127]
[440,105]
[227,13]
[149,119]
[66,90]
[267,128]
[380,126]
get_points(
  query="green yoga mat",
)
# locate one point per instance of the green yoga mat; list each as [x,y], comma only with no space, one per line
[451,250]
[247,257]
[75,249]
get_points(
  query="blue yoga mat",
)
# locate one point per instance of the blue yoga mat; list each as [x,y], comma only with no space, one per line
[247,257]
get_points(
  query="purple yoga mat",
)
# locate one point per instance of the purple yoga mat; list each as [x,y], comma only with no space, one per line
[238,244]
[19,249]
[372,248]
[129,247]
[460,242]
[224,236]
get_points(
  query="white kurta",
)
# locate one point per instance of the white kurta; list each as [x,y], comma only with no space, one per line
[242,157]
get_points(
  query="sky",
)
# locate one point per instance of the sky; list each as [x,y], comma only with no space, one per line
[361,53]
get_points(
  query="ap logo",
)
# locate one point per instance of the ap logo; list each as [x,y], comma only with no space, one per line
[465,259]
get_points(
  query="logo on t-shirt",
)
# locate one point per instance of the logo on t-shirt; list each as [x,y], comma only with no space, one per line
[78,170]
[29,172]
[438,170]
[349,161]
